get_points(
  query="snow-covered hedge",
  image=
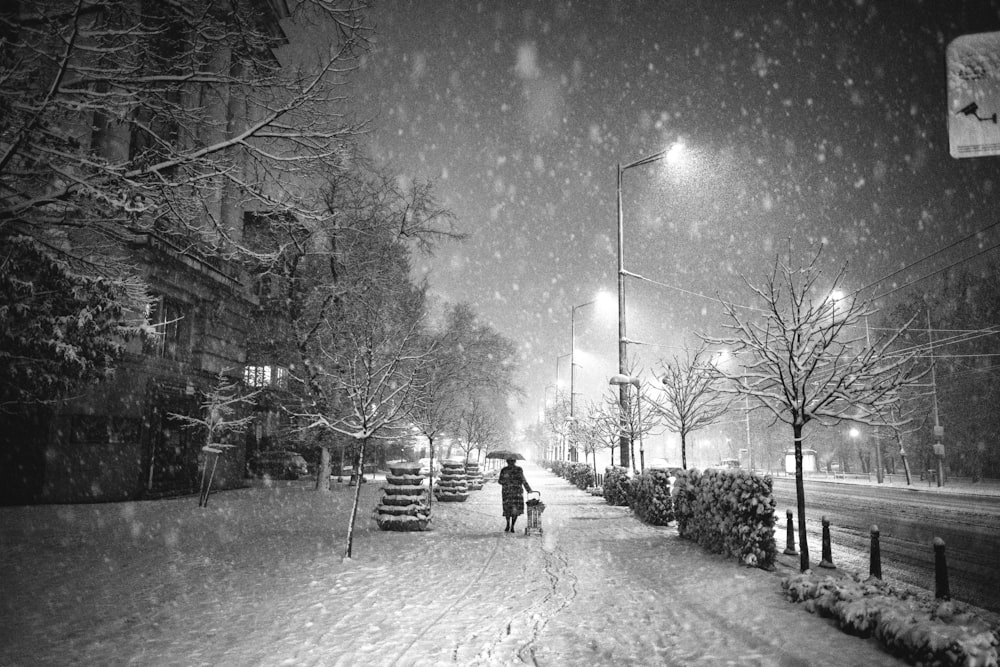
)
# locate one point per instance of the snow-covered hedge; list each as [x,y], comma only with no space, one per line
[727,512]
[651,497]
[616,485]
[918,629]
[581,475]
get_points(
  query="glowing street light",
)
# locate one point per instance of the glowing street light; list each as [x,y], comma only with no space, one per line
[671,154]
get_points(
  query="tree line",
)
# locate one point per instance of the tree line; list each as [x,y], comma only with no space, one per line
[211,127]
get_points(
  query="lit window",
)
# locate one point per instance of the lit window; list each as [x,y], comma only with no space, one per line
[264,376]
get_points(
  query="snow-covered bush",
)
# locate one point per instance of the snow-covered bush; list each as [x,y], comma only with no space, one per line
[616,485]
[918,629]
[651,497]
[580,474]
[684,495]
[727,512]
[559,468]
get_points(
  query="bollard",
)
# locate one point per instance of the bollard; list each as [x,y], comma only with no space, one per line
[941,589]
[875,569]
[790,536]
[827,551]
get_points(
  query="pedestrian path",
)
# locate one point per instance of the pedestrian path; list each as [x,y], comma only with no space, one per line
[598,587]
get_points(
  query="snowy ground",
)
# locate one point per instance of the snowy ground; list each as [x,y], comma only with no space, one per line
[257,578]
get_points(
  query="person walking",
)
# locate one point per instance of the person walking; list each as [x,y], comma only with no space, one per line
[512,482]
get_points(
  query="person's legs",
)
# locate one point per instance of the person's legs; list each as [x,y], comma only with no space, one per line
[510,526]
[513,520]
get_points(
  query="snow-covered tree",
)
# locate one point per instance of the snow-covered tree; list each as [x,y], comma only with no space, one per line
[123,118]
[556,414]
[366,373]
[479,428]
[690,399]
[324,269]
[223,412]
[60,326]
[805,357]
[470,363]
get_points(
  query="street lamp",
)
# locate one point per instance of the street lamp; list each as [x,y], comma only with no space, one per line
[669,154]
[562,447]
[572,371]
[559,359]
[623,381]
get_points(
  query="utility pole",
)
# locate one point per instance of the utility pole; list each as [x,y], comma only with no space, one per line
[878,442]
[938,429]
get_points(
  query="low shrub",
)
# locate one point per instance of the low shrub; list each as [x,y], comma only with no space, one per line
[581,475]
[651,497]
[916,628]
[616,485]
[727,512]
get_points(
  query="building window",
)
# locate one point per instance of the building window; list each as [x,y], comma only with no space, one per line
[173,332]
[265,376]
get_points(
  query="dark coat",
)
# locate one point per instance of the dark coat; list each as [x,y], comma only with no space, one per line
[512,482]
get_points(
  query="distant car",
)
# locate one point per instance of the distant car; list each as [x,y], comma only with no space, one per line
[726,464]
[279,464]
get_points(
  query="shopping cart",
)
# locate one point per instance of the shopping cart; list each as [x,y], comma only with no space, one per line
[535,508]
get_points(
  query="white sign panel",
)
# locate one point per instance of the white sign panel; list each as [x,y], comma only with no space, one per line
[974,95]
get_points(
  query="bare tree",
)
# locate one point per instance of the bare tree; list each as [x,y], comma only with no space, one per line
[556,416]
[224,411]
[690,400]
[363,247]
[479,428]
[122,115]
[372,369]
[605,421]
[598,430]
[470,361]
[634,422]
[803,364]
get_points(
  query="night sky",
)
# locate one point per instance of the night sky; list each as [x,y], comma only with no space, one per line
[804,123]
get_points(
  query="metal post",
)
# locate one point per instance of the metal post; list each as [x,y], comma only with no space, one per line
[624,439]
[938,429]
[789,535]
[827,561]
[941,589]
[875,568]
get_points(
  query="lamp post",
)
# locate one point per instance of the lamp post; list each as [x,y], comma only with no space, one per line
[622,339]
[572,372]
[855,434]
[562,446]
[623,381]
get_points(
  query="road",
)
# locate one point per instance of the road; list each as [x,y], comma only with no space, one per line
[908,520]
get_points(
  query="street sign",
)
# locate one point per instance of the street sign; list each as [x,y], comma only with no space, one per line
[973,64]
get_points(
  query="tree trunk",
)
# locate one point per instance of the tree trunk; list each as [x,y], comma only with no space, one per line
[430,475]
[323,474]
[800,497]
[684,458]
[357,500]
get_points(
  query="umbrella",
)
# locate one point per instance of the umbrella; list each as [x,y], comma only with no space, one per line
[504,454]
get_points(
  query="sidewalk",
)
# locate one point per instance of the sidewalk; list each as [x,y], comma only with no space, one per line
[258,578]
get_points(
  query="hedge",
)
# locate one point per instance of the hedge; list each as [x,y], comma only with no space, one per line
[915,628]
[616,485]
[650,497]
[727,512]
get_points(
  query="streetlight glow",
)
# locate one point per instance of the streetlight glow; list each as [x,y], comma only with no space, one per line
[671,154]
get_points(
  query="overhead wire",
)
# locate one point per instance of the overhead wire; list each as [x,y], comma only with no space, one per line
[926,257]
